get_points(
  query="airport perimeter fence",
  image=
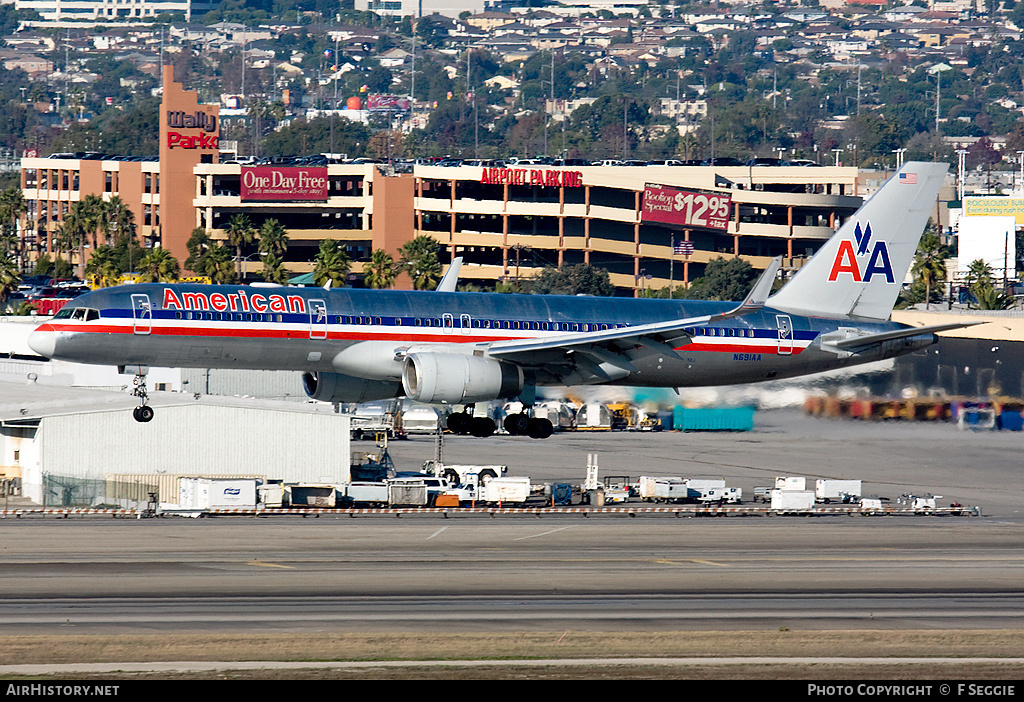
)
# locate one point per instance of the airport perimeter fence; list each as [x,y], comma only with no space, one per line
[70,491]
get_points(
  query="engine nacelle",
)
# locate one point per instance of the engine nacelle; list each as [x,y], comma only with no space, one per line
[456,378]
[336,387]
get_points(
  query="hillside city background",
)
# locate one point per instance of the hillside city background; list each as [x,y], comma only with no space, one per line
[851,84]
[865,84]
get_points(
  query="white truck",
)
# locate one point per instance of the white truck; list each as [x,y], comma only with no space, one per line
[722,495]
[924,504]
[698,487]
[460,474]
[830,490]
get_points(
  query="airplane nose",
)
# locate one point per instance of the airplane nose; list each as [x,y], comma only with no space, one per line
[43,342]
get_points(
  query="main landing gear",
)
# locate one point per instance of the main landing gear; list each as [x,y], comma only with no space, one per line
[520,424]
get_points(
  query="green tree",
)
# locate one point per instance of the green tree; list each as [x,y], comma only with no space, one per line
[158,265]
[982,287]
[381,271]
[10,274]
[418,258]
[332,263]
[105,266]
[12,209]
[580,279]
[273,238]
[930,263]
[723,279]
[240,233]
[198,245]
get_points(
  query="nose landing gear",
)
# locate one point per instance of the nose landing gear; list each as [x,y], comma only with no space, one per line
[142,413]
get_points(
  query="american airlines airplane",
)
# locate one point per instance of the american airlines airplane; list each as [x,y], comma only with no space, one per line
[446,347]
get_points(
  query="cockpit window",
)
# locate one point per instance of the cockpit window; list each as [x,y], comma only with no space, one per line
[82,314]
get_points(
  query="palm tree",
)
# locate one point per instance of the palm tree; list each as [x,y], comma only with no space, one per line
[332,263]
[419,260]
[274,270]
[73,232]
[198,246]
[240,233]
[104,264]
[119,220]
[10,274]
[273,238]
[12,207]
[930,263]
[218,265]
[158,265]
[381,271]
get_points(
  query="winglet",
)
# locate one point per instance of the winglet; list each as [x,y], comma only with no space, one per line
[451,276]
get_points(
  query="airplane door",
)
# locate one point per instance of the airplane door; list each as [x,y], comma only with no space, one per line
[464,324]
[317,319]
[448,323]
[142,314]
[785,334]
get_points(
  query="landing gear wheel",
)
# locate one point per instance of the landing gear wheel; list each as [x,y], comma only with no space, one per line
[516,424]
[458,422]
[143,414]
[539,428]
[481,427]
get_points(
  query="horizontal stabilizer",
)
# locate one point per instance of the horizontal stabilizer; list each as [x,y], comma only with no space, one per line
[871,339]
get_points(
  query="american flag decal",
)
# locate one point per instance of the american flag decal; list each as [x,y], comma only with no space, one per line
[908,178]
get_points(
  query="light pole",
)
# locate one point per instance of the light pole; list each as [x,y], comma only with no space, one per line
[899,157]
[1020,160]
[961,162]
[625,126]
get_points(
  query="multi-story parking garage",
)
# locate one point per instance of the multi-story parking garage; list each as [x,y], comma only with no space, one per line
[648,226]
[509,223]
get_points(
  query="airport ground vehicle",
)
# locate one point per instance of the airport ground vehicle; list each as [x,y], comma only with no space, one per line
[924,504]
[829,490]
[457,474]
[722,495]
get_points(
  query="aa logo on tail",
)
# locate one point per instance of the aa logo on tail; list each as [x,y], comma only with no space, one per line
[849,260]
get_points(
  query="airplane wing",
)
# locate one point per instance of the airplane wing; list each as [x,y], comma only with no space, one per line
[865,340]
[615,347]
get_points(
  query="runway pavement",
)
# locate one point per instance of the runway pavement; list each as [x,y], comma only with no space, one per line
[238,574]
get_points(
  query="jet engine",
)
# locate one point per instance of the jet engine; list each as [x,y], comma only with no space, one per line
[456,378]
[336,387]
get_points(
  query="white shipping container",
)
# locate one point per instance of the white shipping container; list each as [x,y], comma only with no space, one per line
[647,485]
[506,490]
[785,483]
[792,500]
[213,493]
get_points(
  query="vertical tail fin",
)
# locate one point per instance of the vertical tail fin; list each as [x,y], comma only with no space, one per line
[859,271]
